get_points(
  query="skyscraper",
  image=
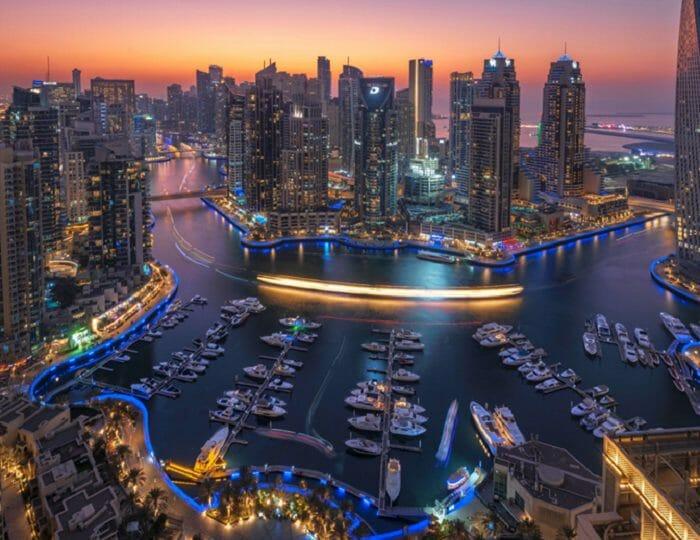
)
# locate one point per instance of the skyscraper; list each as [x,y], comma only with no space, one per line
[420,87]
[688,141]
[77,83]
[21,252]
[349,98]
[113,104]
[461,99]
[323,74]
[236,147]
[560,155]
[376,156]
[406,129]
[499,81]
[216,74]
[174,111]
[205,102]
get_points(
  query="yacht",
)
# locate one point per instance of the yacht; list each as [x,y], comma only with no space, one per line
[280,385]
[677,329]
[695,329]
[402,404]
[529,366]
[607,401]
[243,395]
[155,333]
[393,479]
[267,409]
[374,347]
[211,355]
[403,375]
[147,339]
[538,374]
[372,386]
[602,326]
[586,406]
[631,353]
[611,426]
[142,389]
[364,447]
[258,371]
[491,328]
[364,402]
[569,374]
[516,361]
[122,358]
[405,428]
[590,343]
[548,384]
[512,351]
[199,299]
[494,340]
[507,426]
[622,334]
[593,419]
[285,371]
[215,348]
[232,311]
[170,391]
[367,422]
[486,427]
[598,390]
[219,336]
[186,375]
[436,257]
[214,329]
[409,415]
[405,334]
[231,403]
[447,432]
[210,453]
[275,340]
[305,337]
[408,345]
[197,368]
[461,477]
[642,338]
[403,390]
[296,364]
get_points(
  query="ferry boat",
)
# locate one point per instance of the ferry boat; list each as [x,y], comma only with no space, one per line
[486,427]
[507,426]
[590,343]
[602,326]
[364,446]
[674,325]
[393,479]
[436,257]
[447,431]
[210,453]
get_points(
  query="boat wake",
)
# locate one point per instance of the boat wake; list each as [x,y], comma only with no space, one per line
[317,398]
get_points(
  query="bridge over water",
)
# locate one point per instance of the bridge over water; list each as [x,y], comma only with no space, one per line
[189,194]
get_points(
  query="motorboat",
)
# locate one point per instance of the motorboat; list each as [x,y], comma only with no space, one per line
[122,358]
[512,351]
[447,432]
[517,360]
[285,371]
[393,479]
[304,337]
[569,374]
[197,368]
[548,384]
[507,426]
[401,403]
[232,311]
[491,328]
[181,356]
[401,355]
[231,403]
[494,340]
[293,363]
[214,329]
[590,343]
[607,401]
[642,338]
[674,325]
[586,406]
[410,415]
[367,422]
[695,329]
[258,371]
[598,390]
[277,339]
[199,299]
[458,479]
[373,346]
[186,375]
[486,427]
[299,322]
[364,447]
[404,375]
[538,374]
[529,366]
[219,336]
[432,256]
[602,326]
[147,339]
[364,402]
[611,426]
[267,409]
[622,334]
[403,390]
[372,386]
[142,389]
[215,348]
[211,355]
[280,385]
[241,394]
[210,453]
[593,419]
[170,391]
[226,416]
[408,345]
[631,353]
[155,333]
[405,334]
[405,428]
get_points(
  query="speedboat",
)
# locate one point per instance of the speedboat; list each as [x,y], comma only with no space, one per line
[586,406]
[210,453]
[674,325]
[593,419]
[364,447]
[408,345]
[367,422]
[280,385]
[642,338]
[402,404]
[602,326]
[590,343]
[622,334]
[598,390]
[410,335]
[538,374]
[611,426]
[403,375]
[508,427]
[374,347]
[405,428]
[548,384]
[631,353]
[486,427]
[267,409]
[259,371]
[393,479]
[364,402]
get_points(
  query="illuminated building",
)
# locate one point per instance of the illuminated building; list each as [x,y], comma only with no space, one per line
[349,98]
[236,147]
[77,83]
[376,152]
[113,104]
[561,152]
[216,74]
[75,179]
[21,252]
[323,74]
[143,136]
[688,141]
[174,111]
[650,487]
[293,86]
[406,127]
[205,102]
[461,98]
[424,183]
[222,97]
[333,115]
[420,90]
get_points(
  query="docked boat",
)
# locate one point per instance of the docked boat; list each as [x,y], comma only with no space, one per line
[622,334]
[447,431]
[402,404]
[280,385]
[296,364]
[393,479]
[586,406]
[548,384]
[462,479]
[214,348]
[695,329]
[372,386]
[258,371]
[642,338]
[196,367]
[404,375]
[277,339]
[265,408]
[538,374]
[631,353]
[607,401]
[374,347]
[142,389]
[231,403]
[504,420]
[590,343]
[486,427]
[364,402]
[403,390]
[491,328]
[404,427]
[306,338]
[219,336]
[598,390]
[568,374]
[285,371]
[367,422]
[611,426]
[210,355]
[436,257]
[155,333]
[409,415]
[593,419]
[240,394]
[210,453]
[408,345]
[170,391]
[529,366]
[517,360]
[602,326]
[405,334]
[122,358]
[364,446]
[186,375]
[214,329]
[494,340]
[674,325]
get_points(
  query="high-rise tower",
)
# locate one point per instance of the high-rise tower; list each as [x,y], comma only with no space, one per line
[461,99]
[349,101]
[420,87]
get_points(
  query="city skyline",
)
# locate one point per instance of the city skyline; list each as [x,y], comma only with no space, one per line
[534,36]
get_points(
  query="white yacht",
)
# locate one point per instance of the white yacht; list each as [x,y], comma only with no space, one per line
[547,384]
[393,479]
[267,409]
[404,375]
[569,374]
[507,426]
[142,389]
[280,385]
[611,426]
[364,446]
[598,390]
[405,334]
[538,374]
[403,390]
[258,371]
[374,347]
[593,419]
[209,355]
[186,375]
[674,325]
[631,353]
[196,367]
[436,257]
[642,338]
[293,363]
[215,348]
[364,402]
[367,422]
[494,340]
[277,339]
[622,334]
[231,403]
[409,415]
[405,428]
[210,453]
[305,337]
[590,343]
[243,395]
[491,328]
[405,405]
[408,345]
[486,427]
[462,477]
[372,386]
[602,326]
[529,366]
[155,333]
[586,406]
[285,371]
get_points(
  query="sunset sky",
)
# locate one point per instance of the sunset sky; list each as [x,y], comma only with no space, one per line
[626,47]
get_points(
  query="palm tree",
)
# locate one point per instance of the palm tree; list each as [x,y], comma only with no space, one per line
[566,533]
[135,477]
[528,530]
[207,485]
[155,500]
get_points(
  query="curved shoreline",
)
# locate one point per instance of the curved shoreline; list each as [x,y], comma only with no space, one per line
[687,295]
[98,352]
